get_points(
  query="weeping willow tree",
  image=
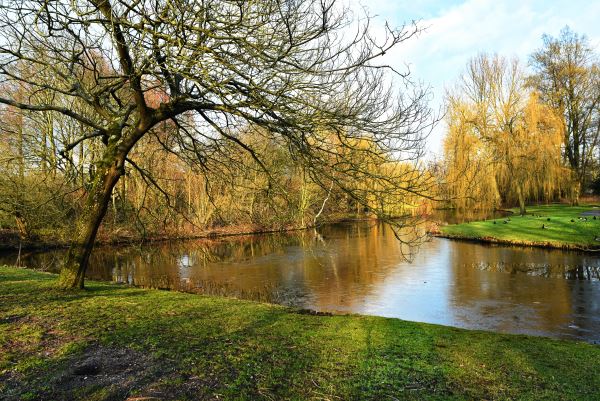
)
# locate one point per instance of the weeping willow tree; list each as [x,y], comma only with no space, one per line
[503,143]
[470,177]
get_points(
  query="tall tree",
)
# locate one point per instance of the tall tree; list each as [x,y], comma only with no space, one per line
[294,68]
[567,76]
[469,174]
[498,127]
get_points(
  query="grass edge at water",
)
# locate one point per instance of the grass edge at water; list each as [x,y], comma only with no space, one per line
[187,346]
[549,226]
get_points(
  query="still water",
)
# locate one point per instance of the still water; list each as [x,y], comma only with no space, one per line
[359,268]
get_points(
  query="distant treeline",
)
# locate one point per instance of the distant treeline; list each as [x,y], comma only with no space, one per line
[519,135]
[43,184]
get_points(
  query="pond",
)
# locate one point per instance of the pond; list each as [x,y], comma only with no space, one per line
[358,267]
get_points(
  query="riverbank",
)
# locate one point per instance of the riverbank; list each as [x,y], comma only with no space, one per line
[10,241]
[548,226]
[113,341]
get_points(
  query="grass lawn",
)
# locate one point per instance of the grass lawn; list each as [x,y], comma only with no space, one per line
[112,341]
[562,228]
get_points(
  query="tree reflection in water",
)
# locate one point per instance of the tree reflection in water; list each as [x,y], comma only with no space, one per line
[358,267]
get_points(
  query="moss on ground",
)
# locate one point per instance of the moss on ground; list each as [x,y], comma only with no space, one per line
[113,341]
[557,226]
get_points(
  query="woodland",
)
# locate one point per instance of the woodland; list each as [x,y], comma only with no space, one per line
[121,123]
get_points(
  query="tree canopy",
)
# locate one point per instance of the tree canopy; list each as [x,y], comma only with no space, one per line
[503,143]
[193,76]
[567,77]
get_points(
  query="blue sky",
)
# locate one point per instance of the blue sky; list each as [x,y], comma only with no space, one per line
[458,30]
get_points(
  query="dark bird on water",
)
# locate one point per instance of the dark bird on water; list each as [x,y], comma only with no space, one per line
[543,226]
[594,217]
[494,221]
[572,221]
[548,219]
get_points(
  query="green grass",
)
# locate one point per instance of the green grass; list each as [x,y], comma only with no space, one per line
[560,231]
[173,345]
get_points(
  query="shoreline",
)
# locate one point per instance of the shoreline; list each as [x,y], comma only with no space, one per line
[127,240]
[555,226]
[114,341]
[518,243]
[109,239]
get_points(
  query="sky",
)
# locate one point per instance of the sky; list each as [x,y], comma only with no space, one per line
[456,31]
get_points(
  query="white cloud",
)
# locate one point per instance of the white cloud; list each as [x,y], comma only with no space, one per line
[456,33]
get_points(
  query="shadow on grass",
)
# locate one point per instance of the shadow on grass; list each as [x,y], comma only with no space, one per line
[133,342]
[185,347]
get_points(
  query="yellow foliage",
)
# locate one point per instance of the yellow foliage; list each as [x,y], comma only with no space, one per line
[503,144]
[470,176]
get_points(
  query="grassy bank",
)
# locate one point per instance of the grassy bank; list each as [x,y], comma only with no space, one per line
[113,341]
[557,226]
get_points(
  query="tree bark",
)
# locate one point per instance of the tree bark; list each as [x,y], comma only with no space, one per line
[520,194]
[575,194]
[72,274]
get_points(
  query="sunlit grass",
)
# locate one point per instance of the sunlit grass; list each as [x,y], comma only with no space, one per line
[197,347]
[554,225]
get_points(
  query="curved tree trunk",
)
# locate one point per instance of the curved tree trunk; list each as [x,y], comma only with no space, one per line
[73,270]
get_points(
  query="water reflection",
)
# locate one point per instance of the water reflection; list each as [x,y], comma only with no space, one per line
[358,267]
[451,216]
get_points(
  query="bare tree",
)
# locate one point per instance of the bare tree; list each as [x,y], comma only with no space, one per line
[567,75]
[304,71]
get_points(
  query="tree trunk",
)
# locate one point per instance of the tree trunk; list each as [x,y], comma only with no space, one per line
[73,270]
[521,197]
[19,211]
[575,194]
